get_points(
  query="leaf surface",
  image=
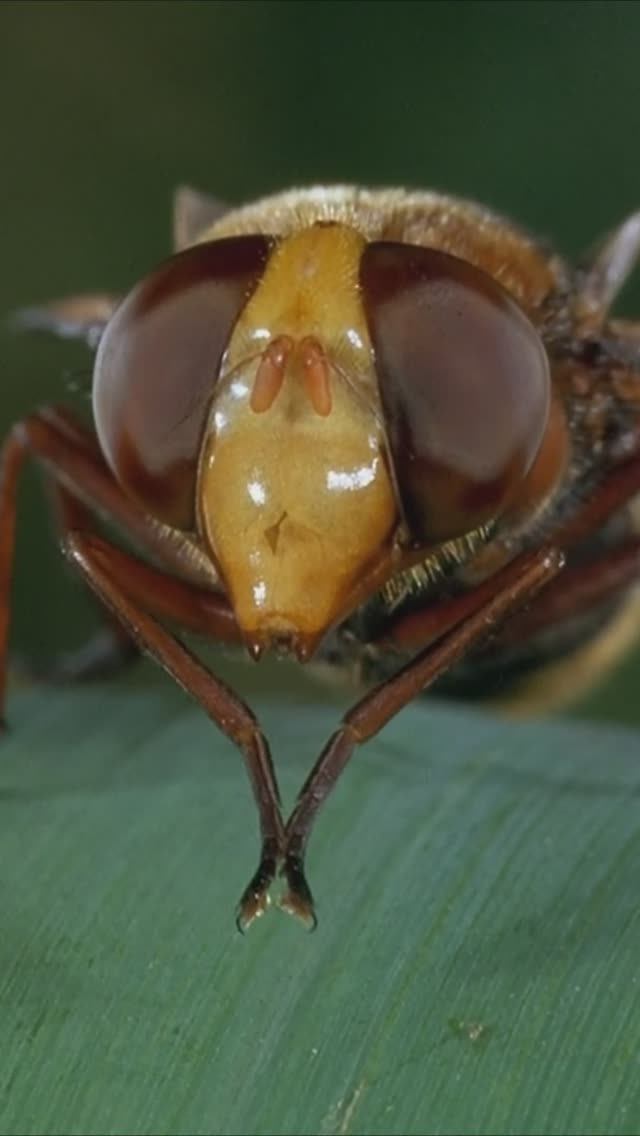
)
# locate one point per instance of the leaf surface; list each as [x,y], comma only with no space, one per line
[475,968]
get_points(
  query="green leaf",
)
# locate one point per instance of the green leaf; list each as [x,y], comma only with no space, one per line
[476,964]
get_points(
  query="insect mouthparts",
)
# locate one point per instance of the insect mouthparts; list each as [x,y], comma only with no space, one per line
[282,639]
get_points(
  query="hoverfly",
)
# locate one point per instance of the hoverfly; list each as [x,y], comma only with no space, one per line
[379,429]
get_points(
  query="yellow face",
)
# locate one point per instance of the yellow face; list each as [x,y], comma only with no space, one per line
[331,396]
[294,494]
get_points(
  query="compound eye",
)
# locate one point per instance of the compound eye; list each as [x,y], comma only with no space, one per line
[156,368]
[464,382]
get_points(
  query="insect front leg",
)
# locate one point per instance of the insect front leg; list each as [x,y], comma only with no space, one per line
[512,587]
[68,452]
[129,588]
[47,435]
[580,589]
[111,649]
[583,586]
[93,558]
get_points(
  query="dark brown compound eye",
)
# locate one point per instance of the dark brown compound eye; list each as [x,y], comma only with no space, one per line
[157,364]
[464,382]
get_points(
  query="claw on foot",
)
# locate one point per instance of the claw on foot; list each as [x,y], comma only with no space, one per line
[252,905]
[255,898]
[297,899]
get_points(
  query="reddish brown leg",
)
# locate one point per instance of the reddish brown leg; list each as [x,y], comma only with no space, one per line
[621,484]
[582,586]
[70,456]
[422,627]
[578,591]
[128,587]
[511,588]
[58,441]
[192,608]
[103,572]
[111,648]
[451,629]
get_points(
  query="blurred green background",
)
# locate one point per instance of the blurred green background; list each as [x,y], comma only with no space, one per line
[533,108]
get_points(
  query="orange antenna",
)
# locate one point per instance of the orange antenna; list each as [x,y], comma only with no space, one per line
[316,375]
[270,374]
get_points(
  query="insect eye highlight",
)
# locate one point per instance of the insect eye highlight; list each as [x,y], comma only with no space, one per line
[464,383]
[157,364]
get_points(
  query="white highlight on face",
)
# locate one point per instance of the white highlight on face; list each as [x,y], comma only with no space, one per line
[259,593]
[340,480]
[238,388]
[354,339]
[256,491]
